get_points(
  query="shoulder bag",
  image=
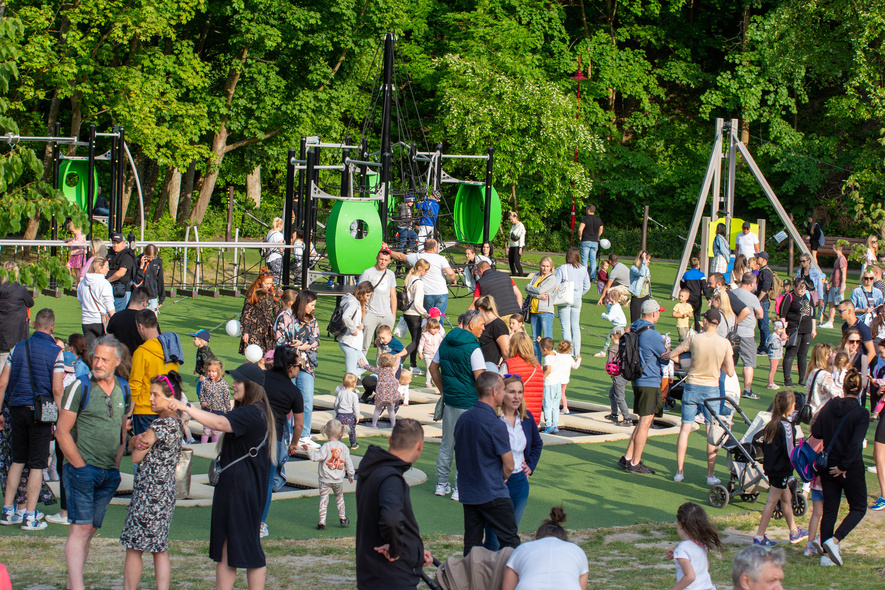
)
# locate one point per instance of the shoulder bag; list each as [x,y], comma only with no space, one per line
[822,462]
[45,409]
[215,468]
[565,293]
[104,317]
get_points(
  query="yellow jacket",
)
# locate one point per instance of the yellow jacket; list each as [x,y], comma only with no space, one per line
[148,361]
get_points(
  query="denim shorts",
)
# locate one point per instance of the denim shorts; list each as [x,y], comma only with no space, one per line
[817,495]
[693,397]
[89,491]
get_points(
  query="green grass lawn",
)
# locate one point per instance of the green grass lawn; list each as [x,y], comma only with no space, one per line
[584,478]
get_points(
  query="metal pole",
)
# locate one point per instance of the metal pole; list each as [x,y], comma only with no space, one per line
[90,178]
[121,181]
[732,160]
[385,187]
[388,93]
[364,156]
[308,229]
[717,178]
[55,153]
[345,177]
[230,213]
[438,180]
[299,220]
[645,228]
[112,200]
[288,204]
[487,213]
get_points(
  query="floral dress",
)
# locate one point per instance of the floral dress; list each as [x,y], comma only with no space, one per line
[46,496]
[257,321]
[387,390]
[153,493]
[288,329]
[216,395]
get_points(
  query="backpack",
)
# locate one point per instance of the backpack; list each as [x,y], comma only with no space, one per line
[628,355]
[404,299]
[803,457]
[779,302]
[821,239]
[86,384]
[336,327]
[777,286]
[265,252]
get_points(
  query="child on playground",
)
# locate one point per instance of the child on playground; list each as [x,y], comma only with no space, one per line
[840,367]
[204,355]
[683,311]
[77,260]
[405,379]
[698,537]
[387,390]
[552,386]
[565,365]
[775,345]
[617,392]
[778,440]
[347,406]
[516,323]
[387,343]
[616,297]
[335,464]
[431,338]
[214,396]
[602,277]
[814,547]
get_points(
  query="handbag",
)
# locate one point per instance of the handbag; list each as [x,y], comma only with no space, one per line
[438,410]
[183,474]
[105,318]
[564,294]
[807,412]
[119,289]
[793,338]
[823,460]
[45,410]
[215,468]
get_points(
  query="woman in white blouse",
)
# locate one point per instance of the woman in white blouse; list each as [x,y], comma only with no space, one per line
[819,383]
[515,245]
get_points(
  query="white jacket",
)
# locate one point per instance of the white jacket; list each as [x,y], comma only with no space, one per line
[99,301]
[352,316]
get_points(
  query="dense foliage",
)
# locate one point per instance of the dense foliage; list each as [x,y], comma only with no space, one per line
[214,93]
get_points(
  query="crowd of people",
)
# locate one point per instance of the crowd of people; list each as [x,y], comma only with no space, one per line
[501,378]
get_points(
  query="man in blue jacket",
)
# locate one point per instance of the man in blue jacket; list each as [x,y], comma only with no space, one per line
[646,389]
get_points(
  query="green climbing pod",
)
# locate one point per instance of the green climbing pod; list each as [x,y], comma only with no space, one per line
[348,254]
[73,177]
[469,213]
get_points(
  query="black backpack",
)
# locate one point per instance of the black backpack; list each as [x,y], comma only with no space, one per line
[628,354]
[336,325]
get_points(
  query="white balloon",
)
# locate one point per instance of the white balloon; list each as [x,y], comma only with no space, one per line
[254,353]
[233,328]
[605,244]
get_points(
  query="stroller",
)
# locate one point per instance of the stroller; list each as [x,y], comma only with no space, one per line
[746,478]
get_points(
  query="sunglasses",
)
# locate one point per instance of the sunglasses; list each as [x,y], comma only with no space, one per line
[868,278]
[107,401]
[509,375]
[853,341]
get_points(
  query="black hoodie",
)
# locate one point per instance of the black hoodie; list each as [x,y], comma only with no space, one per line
[14,303]
[384,516]
[847,451]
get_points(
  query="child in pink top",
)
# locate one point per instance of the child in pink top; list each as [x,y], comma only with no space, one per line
[429,343]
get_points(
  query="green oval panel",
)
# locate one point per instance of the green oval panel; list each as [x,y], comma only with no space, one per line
[72,178]
[469,213]
[347,254]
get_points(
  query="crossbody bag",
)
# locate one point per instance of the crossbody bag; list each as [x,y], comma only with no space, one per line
[45,409]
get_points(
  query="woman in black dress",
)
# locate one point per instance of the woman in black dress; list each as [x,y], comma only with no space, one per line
[798,312]
[242,486]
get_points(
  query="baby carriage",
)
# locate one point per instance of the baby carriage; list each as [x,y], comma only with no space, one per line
[746,477]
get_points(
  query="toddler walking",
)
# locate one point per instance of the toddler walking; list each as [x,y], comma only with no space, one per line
[387,389]
[552,386]
[565,366]
[431,338]
[617,392]
[214,396]
[335,464]
[347,406]
[405,379]
[615,298]
[698,537]
[775,345]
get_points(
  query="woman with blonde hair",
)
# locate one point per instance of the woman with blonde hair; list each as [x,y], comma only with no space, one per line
[351,342]
[640,284]
[570,313]
[96,297]
[872,254]
[97,247]
[515,244]
[820,387]
[274,256]
[413,289]
[523,363]
[741,266]
[541,288]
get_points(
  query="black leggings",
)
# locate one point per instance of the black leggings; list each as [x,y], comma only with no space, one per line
[636,307]
[92,333]
[790,353]
[414,324]
[513,256]
[854,485]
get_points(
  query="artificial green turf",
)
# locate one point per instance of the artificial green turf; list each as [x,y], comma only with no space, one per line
[584,478]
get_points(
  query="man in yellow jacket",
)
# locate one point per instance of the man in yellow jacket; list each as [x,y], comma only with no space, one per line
[148,361]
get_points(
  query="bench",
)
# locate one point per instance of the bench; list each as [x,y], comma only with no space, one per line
[829,242]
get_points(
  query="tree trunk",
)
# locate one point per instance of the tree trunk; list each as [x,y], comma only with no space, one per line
[148,186]
[513,197]
[253,186]
[186,198]
[164,194]
[174,189]
[219,143]
[745,26]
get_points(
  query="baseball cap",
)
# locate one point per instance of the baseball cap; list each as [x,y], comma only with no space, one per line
[117,237]
[434,312]
[69,359]
[650,306]
[713,316]
[268,356]
[746,225]
[762,255]
[248,372]
[202,334]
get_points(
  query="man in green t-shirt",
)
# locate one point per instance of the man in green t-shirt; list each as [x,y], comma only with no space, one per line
[91,438]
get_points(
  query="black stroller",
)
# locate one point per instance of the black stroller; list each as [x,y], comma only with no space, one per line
[746,478]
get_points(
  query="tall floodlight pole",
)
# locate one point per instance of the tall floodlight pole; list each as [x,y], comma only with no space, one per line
[578,77]
[387,91]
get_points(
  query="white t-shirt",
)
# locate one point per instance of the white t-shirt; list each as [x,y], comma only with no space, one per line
[379,303]
[274,237]
[477,361]
[434,281]
[554,377]
[697,557]
[548,563]
[744,244]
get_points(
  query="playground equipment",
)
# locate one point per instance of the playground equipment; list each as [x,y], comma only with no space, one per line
[712,179]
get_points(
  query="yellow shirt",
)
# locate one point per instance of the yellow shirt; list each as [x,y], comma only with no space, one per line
[683,308]
[534,307]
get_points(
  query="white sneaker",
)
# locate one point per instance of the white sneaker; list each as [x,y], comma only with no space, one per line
[21,513]
[678,477]
[455,494]
[826,561]
[262,531]
[57,518]
[872,469]
[713,481]
[10,517]
[828,325]
[443,489]
[833,551]
[306,440]
[32,524]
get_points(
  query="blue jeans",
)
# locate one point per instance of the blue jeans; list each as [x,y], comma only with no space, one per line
[352,358]
[305,382]
[518,485]
[570,320]
[120,303]
[588,257]
[278,477]
[542,325]
[407,238]
[552,397]
[441,302]
[89,491]
[764,330]
[693,397]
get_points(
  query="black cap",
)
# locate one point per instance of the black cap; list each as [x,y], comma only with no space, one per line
[713,316]
[746,225]
[762,255]
[248,372]
[117,237]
